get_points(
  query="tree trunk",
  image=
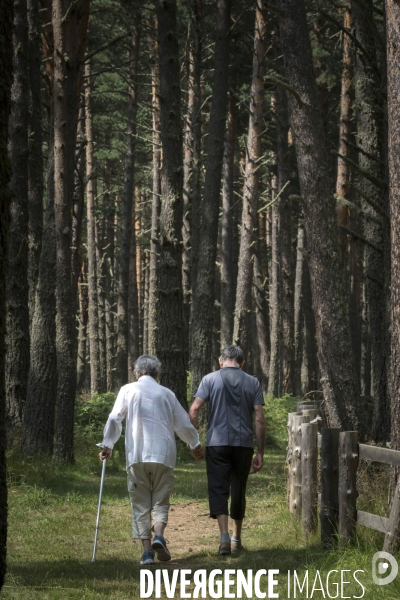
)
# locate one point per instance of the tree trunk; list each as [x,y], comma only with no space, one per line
[242,323]
[69,28]
[285,253]
[203,297]
[228,254]
[192,152]
[124,287]
[6,53]
[82,327]
[17,359]
[393,71]
[260,304]
[39,416]
[155,202]
[339,379]
[93,320]
[343,167]
[298,310]
[35,164]
[108,270]
[101,311]
[274,378]
[370,142]
[170,319]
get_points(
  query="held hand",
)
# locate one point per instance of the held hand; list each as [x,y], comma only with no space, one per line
[105,454]
[198,452]
[257,463]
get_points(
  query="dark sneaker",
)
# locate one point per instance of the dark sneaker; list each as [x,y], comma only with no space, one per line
[236,547]
[224,548]
[160,546]
[147,558]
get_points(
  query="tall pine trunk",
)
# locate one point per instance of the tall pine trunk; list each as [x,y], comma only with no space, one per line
[339,378]
[17,359]
[35,164]
[370,141]
[6,52]
[192,155]
[285,252]
[126,236]
[203,296]
[93,320]
[393,71]
[228,223]
[38,429]
[156,194]
[242,324]
[69,29]
[170,319]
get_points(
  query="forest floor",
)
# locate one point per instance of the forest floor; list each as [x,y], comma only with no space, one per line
[52,514]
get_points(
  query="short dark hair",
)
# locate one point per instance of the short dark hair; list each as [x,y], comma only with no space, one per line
[232,353]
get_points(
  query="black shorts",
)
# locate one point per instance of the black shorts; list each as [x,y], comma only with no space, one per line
[228,468]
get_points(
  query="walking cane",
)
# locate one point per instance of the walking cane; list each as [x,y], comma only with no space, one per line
[98,510]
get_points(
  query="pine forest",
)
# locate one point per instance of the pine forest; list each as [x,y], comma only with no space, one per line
[183,175]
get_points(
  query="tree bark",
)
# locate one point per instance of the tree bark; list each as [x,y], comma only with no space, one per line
[156,195]
[170,319]
[108,272]
[228,251]
[242,323]
[393,71]
[17,358]
[35,164]
[298,309]
[261,309]
[285,252]
[82,327]
[70,29]
[192,153]
[343,167]
[6,53]
[39,415]
[126,229]
[274,377]
[369,140]
[93,318]
[339,379]
[203,297]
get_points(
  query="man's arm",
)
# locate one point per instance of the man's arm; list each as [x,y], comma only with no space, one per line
[260,435]
[194,411]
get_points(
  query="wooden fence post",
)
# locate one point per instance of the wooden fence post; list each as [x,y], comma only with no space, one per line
[295,480]
[392,536]
[329,512]
[348,462]
[289,454]
[309,455]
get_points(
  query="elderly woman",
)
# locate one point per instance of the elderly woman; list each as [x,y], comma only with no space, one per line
[153,414]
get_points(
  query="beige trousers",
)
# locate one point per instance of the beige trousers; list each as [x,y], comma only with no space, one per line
[149,488]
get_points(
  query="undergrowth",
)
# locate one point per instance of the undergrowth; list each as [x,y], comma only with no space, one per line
[52,514]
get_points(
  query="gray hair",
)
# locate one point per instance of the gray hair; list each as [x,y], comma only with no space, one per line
[232,353]
[147,365]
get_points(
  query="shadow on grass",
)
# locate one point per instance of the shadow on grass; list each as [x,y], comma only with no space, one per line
[70,571]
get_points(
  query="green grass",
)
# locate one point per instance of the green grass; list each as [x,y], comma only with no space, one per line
[52,513]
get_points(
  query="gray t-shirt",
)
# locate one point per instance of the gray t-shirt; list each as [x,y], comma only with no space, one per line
[231,394]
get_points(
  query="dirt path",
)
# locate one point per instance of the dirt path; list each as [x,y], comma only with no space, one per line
[190,530]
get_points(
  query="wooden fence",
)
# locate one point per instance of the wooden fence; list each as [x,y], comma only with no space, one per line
[340,454]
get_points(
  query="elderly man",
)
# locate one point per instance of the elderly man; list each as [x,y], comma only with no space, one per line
[234,397]
[152,414]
